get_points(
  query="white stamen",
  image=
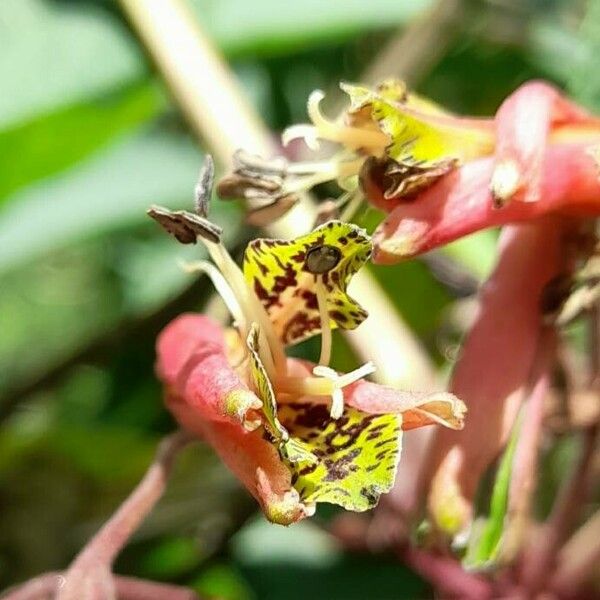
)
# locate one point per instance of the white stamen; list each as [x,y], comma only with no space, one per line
[308,133]
[271,351]
[339,382]
[354,138]
[223,288]
[367,369]
[337,404]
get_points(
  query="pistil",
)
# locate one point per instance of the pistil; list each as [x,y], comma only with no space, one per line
[327,384]
[370,141]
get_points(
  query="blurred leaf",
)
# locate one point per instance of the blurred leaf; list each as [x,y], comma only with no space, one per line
[584,79]
[267,29]
[78,293]
[484,548]
[52,142]
[56,54]
[76,51]
[113,190]
[475,252]
[304,543]
[303,560]
[224,582]
[170,558]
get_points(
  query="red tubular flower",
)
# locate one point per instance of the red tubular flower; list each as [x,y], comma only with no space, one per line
[461,203]
[544,162]
[201,386]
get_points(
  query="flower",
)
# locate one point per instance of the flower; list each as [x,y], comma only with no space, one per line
[294,433]
[544,161]
[438,175]
[388,130]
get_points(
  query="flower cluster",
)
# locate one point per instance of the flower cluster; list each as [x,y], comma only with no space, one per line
[295,433]
[438,175]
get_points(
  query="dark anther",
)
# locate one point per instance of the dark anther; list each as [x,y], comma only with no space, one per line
[264,215]
[245,186]
[203,189]
[326,211]
[322,259]
[185,226]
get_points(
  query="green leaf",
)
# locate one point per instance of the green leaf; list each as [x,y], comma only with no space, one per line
[485,547]
[268,30]
[56,54]
[112,190]
[53,142]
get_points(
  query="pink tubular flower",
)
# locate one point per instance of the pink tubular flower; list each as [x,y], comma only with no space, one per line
[204,392]
[295,433]
[496,366]
[545,161]
[437,175]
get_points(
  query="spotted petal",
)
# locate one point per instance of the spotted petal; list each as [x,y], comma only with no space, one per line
[284,276]
[358,454]
[290,449]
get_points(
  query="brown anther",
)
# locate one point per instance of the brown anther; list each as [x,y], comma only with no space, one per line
[322,259]
[204,187]
[185,226]
[327,210]
[237,185]
[250,163]
[264,215]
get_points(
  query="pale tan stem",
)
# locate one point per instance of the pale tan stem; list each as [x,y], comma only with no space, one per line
[217,110]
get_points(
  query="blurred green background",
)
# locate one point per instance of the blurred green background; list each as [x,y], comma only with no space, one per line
[88,140]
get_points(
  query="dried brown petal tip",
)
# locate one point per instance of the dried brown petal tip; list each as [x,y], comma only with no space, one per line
[402,179]
[185,226]
[204,187]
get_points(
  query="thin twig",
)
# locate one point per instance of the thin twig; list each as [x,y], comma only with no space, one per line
[543,549]
[446,574]
[47,585]
[205,89]
[41,587]
[90,569]
[413,53]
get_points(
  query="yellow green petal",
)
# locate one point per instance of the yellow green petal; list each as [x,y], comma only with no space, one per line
[419,132]
[290,449]
[357,455]
[284,276]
